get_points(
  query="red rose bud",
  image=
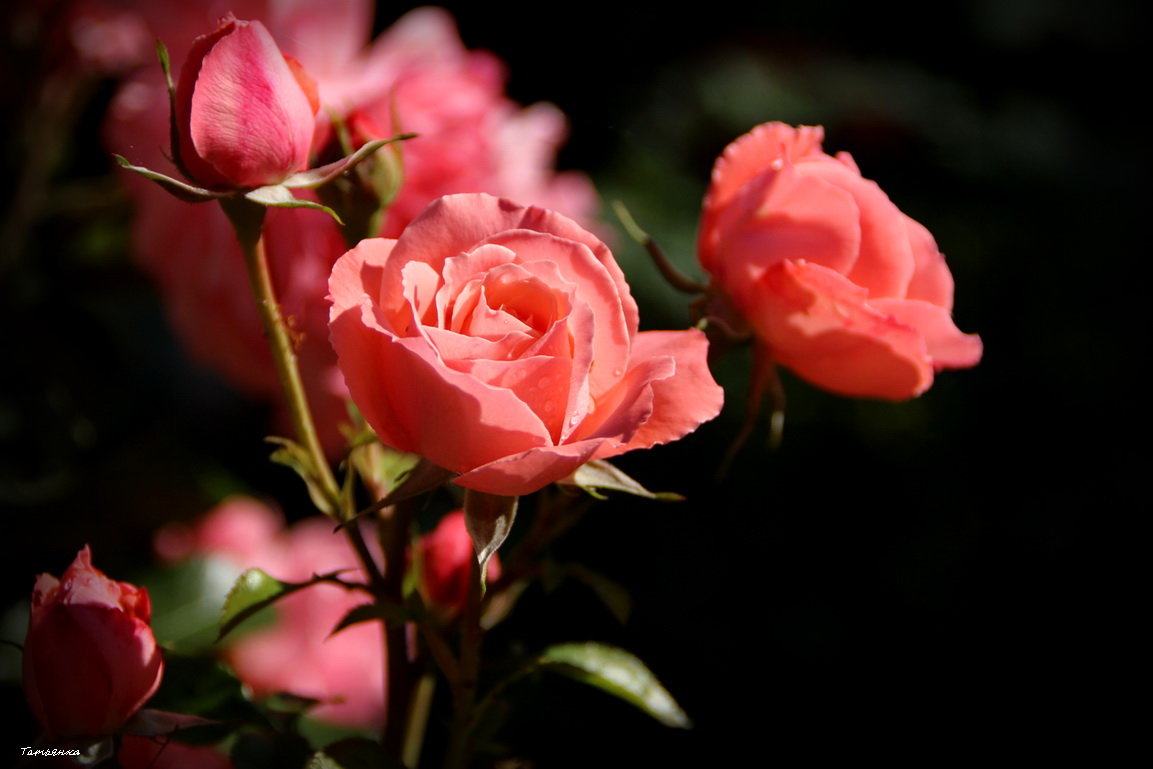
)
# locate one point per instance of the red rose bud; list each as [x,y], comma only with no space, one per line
[836,283]
[244,113]
[90,659]
[446,555]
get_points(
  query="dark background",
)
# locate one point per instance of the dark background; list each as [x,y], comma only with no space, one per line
[916,579]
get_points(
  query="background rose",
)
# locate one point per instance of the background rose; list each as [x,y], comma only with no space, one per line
[296,653]
[500,342]
[446,558]
[842,288]
[90,659]
[472,138]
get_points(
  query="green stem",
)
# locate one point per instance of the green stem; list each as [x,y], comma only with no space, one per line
[464,687]
[418,719]
[248,219]
[392,529]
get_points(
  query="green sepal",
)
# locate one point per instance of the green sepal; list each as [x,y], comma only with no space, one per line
[189,193]
[617,672]
[279,196]
[315,177]
[488,518]
[598,475]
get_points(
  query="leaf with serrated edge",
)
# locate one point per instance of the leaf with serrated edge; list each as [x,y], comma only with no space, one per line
[292,454]
[255,590]
[617,672]
[599,474]
[370,612]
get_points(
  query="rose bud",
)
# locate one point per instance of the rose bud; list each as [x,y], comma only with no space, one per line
[446,555]
[834,281]
[90,659]
[244,112]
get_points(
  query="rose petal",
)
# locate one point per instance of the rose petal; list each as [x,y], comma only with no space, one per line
[782,215]
[884,264]
[931,282]
[249,120]
[948,346]
[531,470]
[683,400]
[820,325]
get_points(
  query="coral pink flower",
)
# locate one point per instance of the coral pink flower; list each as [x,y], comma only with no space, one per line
[473,138]
[244,113]
[446,558]
[90,659]
[500,341]
[297,653]
[839,285]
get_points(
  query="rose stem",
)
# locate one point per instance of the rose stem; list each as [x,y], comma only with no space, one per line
[248,221]
[464,686]
[392,530]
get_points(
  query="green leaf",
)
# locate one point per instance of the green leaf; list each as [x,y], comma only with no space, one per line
[619,673]
[292,454]
[255,590]
[613,594]
[369,612]
[598,475]
[353,753]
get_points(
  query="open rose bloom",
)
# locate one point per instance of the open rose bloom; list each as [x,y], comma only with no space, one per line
[500,342]
[416,77]
[836,283]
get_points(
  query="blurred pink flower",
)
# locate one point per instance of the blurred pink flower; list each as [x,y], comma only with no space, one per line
[446,556]
[296,654]
[472,138]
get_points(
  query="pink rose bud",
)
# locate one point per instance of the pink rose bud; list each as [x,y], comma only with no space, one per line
[836,283]
[90,659]
[446,555]
[244,112]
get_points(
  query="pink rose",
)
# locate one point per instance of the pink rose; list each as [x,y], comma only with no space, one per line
[446,558]
[243,111]
[296,654]
[500,341]
[472,138]
[90,659]
[839,285]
